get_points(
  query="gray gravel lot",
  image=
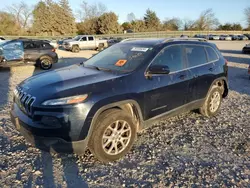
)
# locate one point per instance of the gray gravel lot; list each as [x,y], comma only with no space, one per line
[184,151]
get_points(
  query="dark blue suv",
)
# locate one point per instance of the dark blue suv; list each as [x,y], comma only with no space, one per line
[103,103]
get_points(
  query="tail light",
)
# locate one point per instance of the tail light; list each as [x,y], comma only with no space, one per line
[226,62]
[53,50]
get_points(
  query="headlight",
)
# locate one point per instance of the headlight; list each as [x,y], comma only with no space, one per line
[66,100]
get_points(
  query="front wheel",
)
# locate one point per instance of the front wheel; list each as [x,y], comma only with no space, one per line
[212,103]
[113,136]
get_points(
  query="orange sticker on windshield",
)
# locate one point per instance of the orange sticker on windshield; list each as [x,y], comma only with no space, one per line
[121,62]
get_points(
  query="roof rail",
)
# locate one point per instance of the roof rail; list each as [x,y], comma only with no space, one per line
[131,39]
[187,39]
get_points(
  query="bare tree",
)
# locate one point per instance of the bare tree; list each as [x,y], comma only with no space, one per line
[22,13]
[247,15]
[90,11]
[131,17]
[207,20]
[188,25]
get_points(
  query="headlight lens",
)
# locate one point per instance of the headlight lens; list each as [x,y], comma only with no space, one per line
[66,100]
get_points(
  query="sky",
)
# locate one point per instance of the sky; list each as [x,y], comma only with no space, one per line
[225,10]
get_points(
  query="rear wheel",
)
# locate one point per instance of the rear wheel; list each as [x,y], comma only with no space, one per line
[45,62]
[113,136]
[212,103]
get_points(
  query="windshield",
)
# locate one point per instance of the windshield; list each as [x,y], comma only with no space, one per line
[120,57]
[77,38]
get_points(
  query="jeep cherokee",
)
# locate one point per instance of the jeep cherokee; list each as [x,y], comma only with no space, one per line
[104,102]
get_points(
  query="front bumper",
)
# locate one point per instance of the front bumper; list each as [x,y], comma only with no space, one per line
[67,47]
[42,138]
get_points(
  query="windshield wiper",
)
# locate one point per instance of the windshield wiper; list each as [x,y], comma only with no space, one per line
[92,66]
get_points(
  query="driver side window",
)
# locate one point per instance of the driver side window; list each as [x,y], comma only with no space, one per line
[171,56]
[84,39]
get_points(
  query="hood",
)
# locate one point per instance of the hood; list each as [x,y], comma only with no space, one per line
[68,81]
[70,40]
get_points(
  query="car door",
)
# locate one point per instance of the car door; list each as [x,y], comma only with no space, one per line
[167,91]
[31,51]
[91,43]
[83,43]
[12,52]
[200,63]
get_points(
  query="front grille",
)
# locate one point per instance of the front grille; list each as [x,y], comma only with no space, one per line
[24,100]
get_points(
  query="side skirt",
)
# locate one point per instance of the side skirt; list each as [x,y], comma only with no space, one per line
[185,108]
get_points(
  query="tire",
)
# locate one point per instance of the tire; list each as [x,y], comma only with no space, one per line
[75,49]
[97,143]
[45,62]
[207,109]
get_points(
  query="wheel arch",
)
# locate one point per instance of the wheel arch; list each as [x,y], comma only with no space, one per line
[131,106]
[221,82]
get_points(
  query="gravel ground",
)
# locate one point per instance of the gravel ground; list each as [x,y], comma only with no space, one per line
[184,151]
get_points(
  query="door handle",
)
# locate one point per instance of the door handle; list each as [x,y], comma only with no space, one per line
[183,76]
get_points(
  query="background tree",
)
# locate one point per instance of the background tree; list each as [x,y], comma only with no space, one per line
[151,20]
[207,20]
[131,17]
[8,24]
[173,24]
[247,15]
[108,24]
[22,14]
[67,20]
[230,27]
[42,19]
[89,11]
[188,25]
[88,27]
[126,26]
[138,26]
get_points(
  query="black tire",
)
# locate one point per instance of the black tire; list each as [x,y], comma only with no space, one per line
[105,120]
[75,49]
[45,62]
[206,108]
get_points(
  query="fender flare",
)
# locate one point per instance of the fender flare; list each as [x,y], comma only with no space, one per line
[226,89]
[110,106]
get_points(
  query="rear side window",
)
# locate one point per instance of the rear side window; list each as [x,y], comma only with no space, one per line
[212,55]
[45,46]
[196,55]
[91,38]
[172,57]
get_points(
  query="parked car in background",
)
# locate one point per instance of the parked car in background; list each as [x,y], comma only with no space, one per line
[213,37]
[225,37]
[246,49]
[184,36]
[248,36]
[54,43]
[242,37]
[27,51]
[104,103]
[85,42]
[234,37]
[2,39]
[201,36]
[60,42]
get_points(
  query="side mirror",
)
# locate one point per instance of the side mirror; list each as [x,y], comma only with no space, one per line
[158,69]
